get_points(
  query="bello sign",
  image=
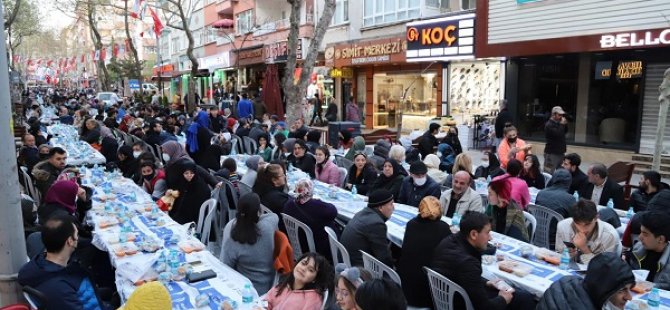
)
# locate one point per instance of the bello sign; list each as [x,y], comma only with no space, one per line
[635,39]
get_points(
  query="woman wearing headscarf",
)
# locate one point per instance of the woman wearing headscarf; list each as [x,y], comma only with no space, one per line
[422,235]
[315,213]
[490,167]
[108,144]
[126,122]
[60,199]
[173,155]
[390,179]
[433,164]
[127,162]
[358,146]
[198,137]
[269,185]
[447,156]
[252,163]
[453,141]
[193,191]
[90,131]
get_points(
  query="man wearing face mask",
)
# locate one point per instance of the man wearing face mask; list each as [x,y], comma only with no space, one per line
[153,180]
[512,147]
[417,185]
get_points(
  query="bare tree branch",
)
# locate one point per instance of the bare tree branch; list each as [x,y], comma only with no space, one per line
[15,12]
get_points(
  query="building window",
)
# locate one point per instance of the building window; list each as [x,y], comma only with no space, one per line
[387,11]
[211,36]
[341,15]
[439,4]
[245,22]
[468,4]
[175,45]
[197,37]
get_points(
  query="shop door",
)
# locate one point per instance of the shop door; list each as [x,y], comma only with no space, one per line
[347,91]
[653,78]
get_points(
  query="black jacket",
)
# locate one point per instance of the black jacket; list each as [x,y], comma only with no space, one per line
[367,232]
[566,293]
[639,199]
[275,199]
[454,142]
[579,181]
[456,259]
[421,238]
[411,194]
[504,116]
[556,196]
[554,133]
[172,174]
[186,207]
[306,163]
[427,144]
[45,175]
[331,112]
[537,182]
[364,180]
[391,184]
[204,141]
[610,190]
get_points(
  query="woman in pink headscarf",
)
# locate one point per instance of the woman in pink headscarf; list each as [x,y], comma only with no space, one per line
[60,199]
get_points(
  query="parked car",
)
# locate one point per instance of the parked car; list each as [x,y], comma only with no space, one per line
[106,97]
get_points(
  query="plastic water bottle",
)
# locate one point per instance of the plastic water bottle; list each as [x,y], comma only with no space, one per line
[630,213]
[488,179]
[456,220]
[247,294]
[233,151]
[290,167]
[133,196]
[565,259]
[610,204]
[654,300]
[354,192]
[576,195]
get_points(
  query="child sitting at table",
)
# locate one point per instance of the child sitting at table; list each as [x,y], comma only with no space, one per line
[304,288]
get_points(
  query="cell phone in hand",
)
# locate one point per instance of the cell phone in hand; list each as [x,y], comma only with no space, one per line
[569,244]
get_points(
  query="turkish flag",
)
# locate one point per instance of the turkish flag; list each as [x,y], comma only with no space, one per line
[158,25]
[115,50]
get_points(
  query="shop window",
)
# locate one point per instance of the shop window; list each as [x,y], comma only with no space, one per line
[378,12]
[440,4]
[341,14]
[245,22]
[474,89]
[413,93]
[468,4]
[545,82]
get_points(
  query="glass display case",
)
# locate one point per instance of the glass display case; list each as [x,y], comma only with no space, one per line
[413,93]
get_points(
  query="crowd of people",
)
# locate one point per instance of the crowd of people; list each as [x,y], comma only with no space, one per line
[436,176]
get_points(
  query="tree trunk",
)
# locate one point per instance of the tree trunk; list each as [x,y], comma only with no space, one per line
[136,71]
[97,42]
[294,93]
[194,61]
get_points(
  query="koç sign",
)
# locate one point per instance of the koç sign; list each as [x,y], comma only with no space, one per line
[441,39]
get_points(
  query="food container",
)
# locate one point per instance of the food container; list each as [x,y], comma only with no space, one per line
[642,287]
[514,267]
[488,259]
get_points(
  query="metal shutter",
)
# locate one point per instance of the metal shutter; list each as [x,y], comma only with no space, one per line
[651,105]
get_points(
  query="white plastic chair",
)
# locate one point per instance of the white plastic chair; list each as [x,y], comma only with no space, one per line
[343,176]
[544,217]
[337,248]
[205,219]
[342,161]
[325,300]
[293,227]
[547,178]
[443,291]
[244,188]
[378,269]
[250,145]
[530,220]
[30,186]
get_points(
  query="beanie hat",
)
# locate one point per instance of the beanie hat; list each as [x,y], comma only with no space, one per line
[379,198]
[149,296]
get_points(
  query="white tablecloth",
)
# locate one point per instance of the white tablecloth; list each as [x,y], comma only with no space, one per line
[140,267]
[78,152]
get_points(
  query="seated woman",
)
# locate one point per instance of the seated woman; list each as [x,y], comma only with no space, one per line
[531,172]
[490,167]
[422,234]
[361,174]
[463,162]
[348,280]
[193,191]
[447,156]
[153,180]
[269,185]
[127,162]
[390,179]
[305,286]
[315,213]
[90,131]
[520,192]
[506,215]
[264,147]
[301,159]
[433,164]
[326,170]
[248,243]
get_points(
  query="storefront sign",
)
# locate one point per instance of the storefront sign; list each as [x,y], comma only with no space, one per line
[249,56]
[629,69]
[366,52]
[221,60]
[278,51]
[635,39]
[345,73]
[163,69]
[441,39]
[603,70]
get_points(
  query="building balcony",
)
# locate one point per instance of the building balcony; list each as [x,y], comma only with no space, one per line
[279,25]
[225,6]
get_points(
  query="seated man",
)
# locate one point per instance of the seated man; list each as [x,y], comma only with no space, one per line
[461,198]
[417,185]
[589,235]
[459,258]
[46,172]
[606,285]
[65,284]
[652,252]
[367,230]
[571,163]
[650,185]
[600,189]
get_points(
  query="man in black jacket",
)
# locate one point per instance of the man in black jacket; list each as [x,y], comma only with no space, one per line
[571,163]
[600,189]
[554,133]
[650,185]
[428,141]
[459,258]
[46,172]
[367,230]
[608,282]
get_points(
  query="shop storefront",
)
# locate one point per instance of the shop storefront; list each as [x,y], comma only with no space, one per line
[162,75]
[472,87]
[607,82]
[382,83]
[250,63]
[215,64]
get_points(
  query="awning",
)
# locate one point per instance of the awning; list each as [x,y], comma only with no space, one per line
[223,23]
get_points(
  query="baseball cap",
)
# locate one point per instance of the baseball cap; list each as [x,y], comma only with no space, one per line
[557,109]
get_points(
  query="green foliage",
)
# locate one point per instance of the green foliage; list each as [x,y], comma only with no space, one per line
[124,68]
[164,101]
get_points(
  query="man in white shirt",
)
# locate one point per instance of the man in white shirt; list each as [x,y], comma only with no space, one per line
[600,189]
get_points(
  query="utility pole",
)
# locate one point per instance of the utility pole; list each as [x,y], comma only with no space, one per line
[664,99]
[12,246]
